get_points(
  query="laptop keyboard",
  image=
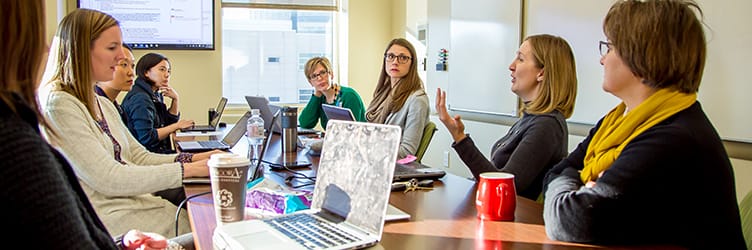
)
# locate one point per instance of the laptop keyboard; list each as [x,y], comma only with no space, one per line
[211,144]
[310,231]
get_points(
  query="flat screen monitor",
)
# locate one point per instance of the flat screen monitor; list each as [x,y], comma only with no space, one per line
[161,24]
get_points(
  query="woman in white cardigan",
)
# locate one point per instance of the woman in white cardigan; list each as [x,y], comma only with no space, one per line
[115,171]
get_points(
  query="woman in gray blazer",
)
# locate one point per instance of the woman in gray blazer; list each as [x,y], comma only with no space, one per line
[399,97]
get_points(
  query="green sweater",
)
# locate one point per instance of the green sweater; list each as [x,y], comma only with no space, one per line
[347,98]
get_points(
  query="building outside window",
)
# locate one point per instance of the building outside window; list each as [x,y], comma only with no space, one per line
[265,45]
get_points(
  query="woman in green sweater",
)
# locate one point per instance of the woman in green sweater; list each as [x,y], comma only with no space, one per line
[318,71]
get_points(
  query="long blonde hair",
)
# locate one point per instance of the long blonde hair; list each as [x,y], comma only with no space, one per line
[558,90]
[76,34]
[22,54]
[387,100]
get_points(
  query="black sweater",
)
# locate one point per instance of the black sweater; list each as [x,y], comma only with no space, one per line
[529,149]
[673,184]
[44,206]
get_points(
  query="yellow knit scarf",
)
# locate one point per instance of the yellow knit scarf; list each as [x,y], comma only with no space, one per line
[617,129]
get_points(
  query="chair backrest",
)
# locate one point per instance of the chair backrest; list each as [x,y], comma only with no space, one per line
[428,132]
[745,208]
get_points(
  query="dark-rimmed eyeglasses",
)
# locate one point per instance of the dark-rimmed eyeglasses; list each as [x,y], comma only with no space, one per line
[604,47]
[317,75]
[402,59]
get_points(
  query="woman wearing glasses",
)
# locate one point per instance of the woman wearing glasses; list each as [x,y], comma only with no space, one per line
[653,170]
[318,71]
[399,98]
[544,78]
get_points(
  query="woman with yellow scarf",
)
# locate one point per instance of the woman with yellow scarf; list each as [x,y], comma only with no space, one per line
[653,170]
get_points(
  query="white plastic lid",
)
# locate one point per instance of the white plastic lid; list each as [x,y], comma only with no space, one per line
[255,112]
[228,160]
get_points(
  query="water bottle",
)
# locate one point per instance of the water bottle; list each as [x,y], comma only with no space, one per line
[255,134]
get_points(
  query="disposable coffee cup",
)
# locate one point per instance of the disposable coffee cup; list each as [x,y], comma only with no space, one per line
[229,174]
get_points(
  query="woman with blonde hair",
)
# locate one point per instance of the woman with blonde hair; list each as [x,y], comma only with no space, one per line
[399,98]
[318,71]
[545,79]
[117,173]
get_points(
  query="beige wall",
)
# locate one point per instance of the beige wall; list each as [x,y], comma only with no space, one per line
[370,30]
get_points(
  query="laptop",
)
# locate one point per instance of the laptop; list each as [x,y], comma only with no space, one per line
[229,140]
[212,123]
[267,111]
[258,170]
[344,214]
[338,113]
[416,170]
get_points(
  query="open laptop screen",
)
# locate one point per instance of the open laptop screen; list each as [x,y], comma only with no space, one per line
[220,108]
[337,113]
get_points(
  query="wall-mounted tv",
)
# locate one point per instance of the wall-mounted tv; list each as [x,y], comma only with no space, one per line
[161,24]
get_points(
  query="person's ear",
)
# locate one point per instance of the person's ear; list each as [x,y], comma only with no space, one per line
[539,77]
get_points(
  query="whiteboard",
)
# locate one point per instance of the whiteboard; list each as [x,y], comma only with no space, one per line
[484,36]
[725,89]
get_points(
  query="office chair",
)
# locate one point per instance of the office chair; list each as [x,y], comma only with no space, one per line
[745,208]
[428,132]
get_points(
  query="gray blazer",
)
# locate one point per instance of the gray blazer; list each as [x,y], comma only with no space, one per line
[412,117]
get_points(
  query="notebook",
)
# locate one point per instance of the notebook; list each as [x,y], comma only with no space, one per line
[338,113]
[213,122]
[352,212]
[267,111]
[404,172]
[229,140]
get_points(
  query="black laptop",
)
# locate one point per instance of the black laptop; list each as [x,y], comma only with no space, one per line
[337,113]
[416,170]
[212,126]
[229,141]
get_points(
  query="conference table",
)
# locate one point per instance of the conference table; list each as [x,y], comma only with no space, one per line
[441,218]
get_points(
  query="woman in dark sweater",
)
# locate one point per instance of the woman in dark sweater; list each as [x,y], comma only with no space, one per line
[653,170]
[45,207]
[544,77]
[150,120]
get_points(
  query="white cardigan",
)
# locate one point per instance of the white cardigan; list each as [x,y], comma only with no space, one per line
[121,194]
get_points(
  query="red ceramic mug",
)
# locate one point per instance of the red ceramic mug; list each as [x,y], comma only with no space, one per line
[496,197]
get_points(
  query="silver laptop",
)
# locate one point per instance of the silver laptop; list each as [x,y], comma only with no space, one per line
[267,111]
[351,213]
[337,113]
[227,142]
[258,168]
[213,123]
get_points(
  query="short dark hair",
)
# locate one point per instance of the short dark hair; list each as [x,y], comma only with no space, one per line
[146,62]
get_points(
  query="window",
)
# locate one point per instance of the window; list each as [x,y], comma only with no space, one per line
[265,47]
